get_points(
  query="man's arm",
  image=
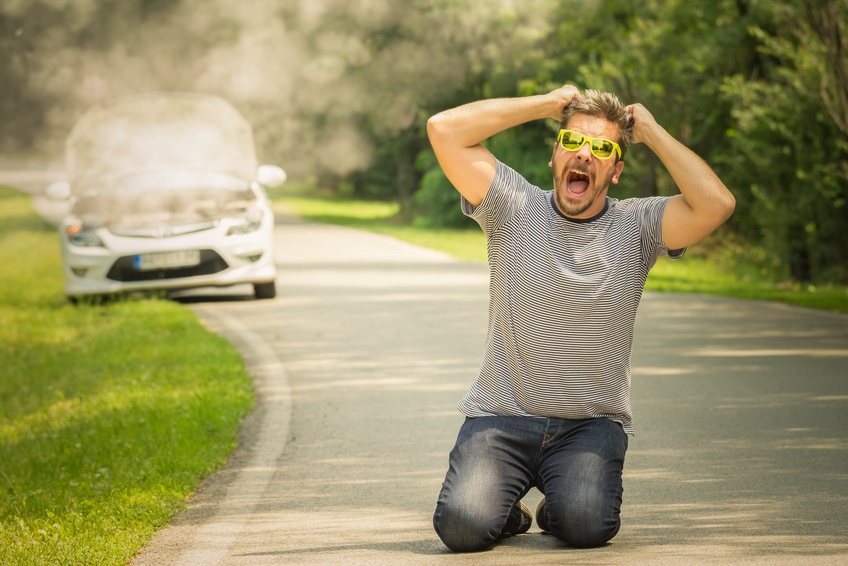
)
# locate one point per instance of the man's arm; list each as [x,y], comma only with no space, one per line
[456,135]
[704,203]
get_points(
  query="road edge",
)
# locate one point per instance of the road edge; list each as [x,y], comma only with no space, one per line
[258,453]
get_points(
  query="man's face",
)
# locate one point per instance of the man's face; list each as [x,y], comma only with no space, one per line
[581,180]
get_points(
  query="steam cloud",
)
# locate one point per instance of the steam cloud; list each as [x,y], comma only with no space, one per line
[317,79]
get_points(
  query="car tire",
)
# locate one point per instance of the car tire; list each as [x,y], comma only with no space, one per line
[265,290]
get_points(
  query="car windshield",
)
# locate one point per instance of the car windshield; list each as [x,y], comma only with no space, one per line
[162,132]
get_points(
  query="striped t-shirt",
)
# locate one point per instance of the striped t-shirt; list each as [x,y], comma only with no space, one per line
[563,296]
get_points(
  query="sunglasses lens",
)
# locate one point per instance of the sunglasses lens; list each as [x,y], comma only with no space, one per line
[602,148]
[571,140]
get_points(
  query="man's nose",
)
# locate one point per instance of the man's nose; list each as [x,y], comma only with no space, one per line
[585,152]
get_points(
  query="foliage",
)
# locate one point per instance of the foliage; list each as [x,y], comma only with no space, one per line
[437,203]
[790,153]
[759,89]
[109,414]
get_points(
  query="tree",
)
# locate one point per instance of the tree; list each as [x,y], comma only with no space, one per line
[827,19]
[788,152]
[756,88]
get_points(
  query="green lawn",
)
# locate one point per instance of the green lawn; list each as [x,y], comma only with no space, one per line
[697,272]
[109,414]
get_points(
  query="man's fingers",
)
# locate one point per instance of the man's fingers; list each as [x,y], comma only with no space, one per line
[570,92]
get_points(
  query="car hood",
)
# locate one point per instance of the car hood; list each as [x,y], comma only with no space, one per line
[164,203]
[161,132]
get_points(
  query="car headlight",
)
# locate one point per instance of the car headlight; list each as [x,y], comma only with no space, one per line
[248,222]
[79,235]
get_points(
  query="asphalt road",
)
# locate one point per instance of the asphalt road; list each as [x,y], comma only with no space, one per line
[740,408]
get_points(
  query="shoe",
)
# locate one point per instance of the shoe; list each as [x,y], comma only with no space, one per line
[541,516]
[518,522]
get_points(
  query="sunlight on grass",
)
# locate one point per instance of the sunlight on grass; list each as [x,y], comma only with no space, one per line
[342,210]
[109,414]
[695,273]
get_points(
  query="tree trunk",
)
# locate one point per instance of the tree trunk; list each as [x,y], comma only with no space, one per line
[824,16]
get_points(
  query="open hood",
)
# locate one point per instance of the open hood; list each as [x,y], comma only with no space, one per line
[158,132]
[152,202]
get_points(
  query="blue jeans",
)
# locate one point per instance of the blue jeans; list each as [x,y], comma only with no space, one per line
[576,464]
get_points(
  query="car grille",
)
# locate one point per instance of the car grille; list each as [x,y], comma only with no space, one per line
[164,231]
[124,269]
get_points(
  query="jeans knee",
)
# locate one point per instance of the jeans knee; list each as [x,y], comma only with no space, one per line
[461,532]
[591,536]
[584,527]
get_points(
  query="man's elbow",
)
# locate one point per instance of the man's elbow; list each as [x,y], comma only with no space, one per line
[727,206]
[436,129]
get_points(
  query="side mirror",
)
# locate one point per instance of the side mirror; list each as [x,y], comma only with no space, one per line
[270,175]
[60,190]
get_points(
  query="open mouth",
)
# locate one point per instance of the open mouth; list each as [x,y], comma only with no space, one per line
[577,183]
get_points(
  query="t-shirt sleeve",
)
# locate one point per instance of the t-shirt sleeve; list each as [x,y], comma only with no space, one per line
[506,197]
[649,214]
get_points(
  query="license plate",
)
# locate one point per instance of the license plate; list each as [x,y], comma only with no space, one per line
[167,260]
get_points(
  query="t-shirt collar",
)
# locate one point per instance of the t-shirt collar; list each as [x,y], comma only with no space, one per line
[580,220]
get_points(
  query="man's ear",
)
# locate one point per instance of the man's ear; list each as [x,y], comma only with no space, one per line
[618,168]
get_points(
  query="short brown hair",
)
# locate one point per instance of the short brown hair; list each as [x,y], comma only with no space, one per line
[601,105]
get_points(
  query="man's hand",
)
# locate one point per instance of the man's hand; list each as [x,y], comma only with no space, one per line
[562,97]
[643,122]
[456,135]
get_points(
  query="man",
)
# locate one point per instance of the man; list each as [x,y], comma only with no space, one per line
[550,407]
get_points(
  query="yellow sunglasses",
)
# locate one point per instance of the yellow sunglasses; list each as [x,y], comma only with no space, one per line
[601,148]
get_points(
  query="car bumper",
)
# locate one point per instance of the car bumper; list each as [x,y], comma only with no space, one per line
[225,260]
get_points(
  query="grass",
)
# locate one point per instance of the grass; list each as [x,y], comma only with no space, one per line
[707,268]
[109,414]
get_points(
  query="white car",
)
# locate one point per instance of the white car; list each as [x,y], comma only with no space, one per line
[165,193]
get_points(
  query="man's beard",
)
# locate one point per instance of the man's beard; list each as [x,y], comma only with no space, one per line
[570,206]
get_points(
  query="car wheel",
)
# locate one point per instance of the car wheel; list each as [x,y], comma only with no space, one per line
[265,290]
